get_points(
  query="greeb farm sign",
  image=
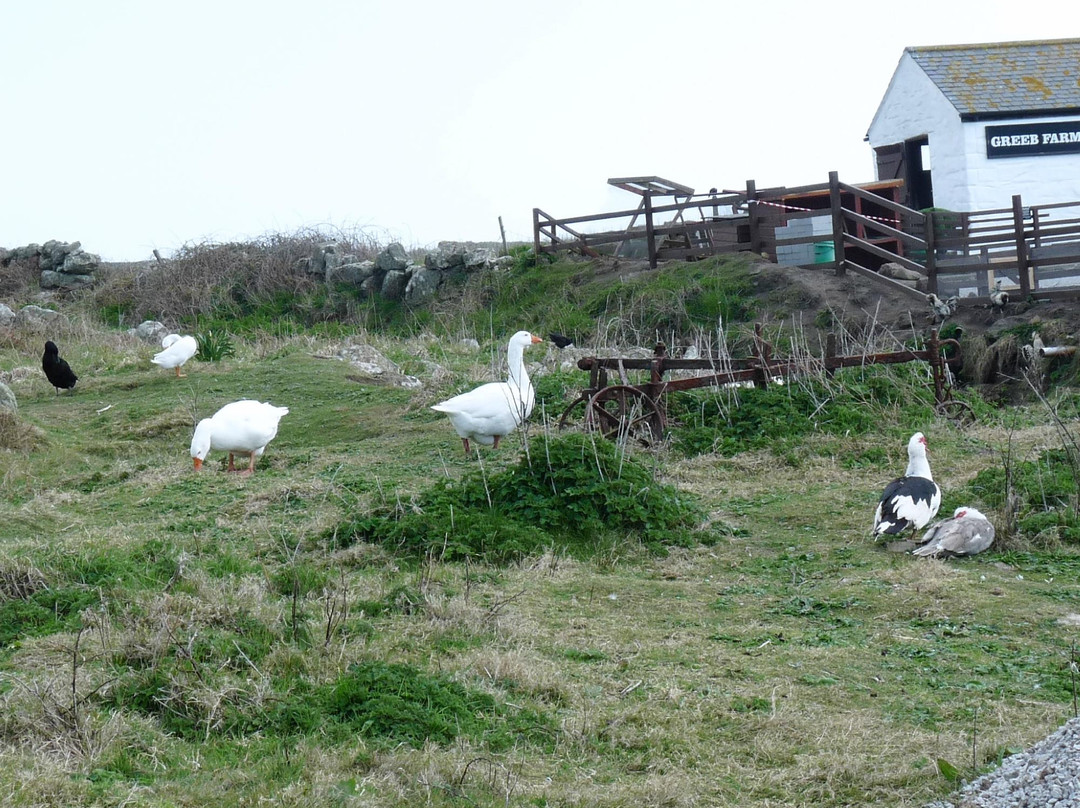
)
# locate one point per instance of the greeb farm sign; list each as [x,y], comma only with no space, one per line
[1026,139]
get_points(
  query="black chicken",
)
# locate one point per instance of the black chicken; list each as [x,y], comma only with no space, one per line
[57,371]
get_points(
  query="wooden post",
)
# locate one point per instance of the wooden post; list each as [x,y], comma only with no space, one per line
[502,230]
[650,236]
[536,232]
[837,221]
[1022,265]
[763,352]
[752,210]
[931,250]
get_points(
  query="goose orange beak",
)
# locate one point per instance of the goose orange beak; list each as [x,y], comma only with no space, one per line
[536,339]
[198,463]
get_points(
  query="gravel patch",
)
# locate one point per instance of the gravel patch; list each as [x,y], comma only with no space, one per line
[1045,776]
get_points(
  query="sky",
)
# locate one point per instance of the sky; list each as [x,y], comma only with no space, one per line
[134,126]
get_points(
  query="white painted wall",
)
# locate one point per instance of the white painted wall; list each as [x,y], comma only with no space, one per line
[963,178]
[1039,179]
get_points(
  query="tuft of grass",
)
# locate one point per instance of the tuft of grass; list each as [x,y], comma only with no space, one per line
[568,493]
[394,704]
[852,403]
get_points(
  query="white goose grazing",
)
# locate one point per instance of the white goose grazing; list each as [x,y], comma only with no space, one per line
[495,409]
[242,427]
[178,350]
[968,532]
[911,501]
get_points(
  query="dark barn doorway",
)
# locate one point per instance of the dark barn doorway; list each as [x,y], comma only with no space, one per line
[909,161]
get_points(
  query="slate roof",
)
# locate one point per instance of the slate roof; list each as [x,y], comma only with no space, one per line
[1005,79]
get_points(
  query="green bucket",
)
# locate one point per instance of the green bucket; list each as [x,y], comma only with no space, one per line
[824,252]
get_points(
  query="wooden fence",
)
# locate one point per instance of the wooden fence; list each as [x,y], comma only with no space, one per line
[1028,250]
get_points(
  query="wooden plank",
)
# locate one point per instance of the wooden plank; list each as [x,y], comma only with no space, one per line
[891,282]
[900,235]
[656,185]
[818,239]
[1051,205]
[873,249]
[944,270]
[881,201]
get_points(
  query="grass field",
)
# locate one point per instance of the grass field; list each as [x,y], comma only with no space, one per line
[180,639]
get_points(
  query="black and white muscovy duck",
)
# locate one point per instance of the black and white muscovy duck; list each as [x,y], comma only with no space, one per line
[940,310]
[999,298]
[911,501]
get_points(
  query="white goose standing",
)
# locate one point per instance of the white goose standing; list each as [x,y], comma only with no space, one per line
[495,409]
[178,350]
[242,427]
[911,501]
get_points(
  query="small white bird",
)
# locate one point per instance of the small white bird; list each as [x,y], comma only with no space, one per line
[495,409]
[178,350]
[242,427]
[999,298]
[911,501]
[941,309]
[966,533]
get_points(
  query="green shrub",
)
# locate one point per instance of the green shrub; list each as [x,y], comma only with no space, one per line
[568,492]
[213,347]
[775,416]
[400,704]
[1047,488]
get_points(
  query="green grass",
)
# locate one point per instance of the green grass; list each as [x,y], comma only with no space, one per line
[575,624]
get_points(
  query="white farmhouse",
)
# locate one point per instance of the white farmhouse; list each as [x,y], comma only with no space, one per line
[968,126]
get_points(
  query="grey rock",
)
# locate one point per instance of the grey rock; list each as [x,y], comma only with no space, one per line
[893,270]
[149,331]
[51,279]
[448,255]
[422,286]
[469,342]
[317,263]
[392,258]
[353,273]
[26,252]
[7,316]
[478,257]
[80,263]
[7,399]
[393,285]
[371,363]
[36,315]
[370,285]
[53,253]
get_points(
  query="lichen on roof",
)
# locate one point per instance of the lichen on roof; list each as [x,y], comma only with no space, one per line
[1005,77]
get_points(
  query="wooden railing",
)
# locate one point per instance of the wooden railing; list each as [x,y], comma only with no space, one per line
[690,228]
[1030,250]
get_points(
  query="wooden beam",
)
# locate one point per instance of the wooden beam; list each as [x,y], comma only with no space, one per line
[895,284]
